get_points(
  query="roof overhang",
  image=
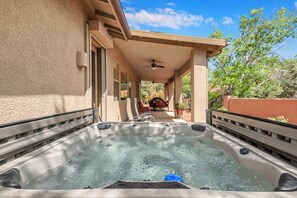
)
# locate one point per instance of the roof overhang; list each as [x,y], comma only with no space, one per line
[212,45]
[110,13]
[172,51]
[141,47]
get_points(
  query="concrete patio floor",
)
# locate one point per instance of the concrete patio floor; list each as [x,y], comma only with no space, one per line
[166,116]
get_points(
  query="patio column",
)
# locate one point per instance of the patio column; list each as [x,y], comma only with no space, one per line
[170,97]
[165,91]
[177,88]
[199,85]
[138,90]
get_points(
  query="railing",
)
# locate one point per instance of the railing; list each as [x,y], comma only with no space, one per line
[20,138]
[275,138]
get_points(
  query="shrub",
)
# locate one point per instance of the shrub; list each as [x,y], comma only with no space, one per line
[279,119]
[180,105]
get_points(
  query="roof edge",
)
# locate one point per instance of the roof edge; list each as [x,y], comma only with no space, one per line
[119,12]
[179,38]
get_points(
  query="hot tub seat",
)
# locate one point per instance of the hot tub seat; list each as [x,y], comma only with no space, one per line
[287,182]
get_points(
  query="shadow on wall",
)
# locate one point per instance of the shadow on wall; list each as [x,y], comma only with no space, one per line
[127,109]
[123,105]
[39,56]
[134,106]
[60,107]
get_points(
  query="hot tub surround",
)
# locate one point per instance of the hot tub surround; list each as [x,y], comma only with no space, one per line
[57,153]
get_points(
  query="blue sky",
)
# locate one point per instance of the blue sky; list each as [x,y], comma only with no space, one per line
[201,17]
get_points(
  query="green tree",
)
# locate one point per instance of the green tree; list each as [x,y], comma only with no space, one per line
[186,89]
[288,77]
[248,67]
[150,90]
[186,86]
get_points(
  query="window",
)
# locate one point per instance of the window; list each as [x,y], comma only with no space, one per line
[124,86]
[116,81]
[130,95]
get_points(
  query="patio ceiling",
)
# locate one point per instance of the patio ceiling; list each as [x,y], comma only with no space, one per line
[141,47]
[172,51]
[140,54]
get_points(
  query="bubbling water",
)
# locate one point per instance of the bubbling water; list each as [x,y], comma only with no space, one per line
[144,156]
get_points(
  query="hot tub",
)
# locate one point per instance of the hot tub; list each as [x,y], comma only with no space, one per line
[86,164]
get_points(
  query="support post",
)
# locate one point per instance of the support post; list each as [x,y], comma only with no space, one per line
[170,97]
[199,85]
[165,91]
[177,89]
[138,90]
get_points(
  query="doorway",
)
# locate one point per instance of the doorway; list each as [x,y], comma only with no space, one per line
[98,79]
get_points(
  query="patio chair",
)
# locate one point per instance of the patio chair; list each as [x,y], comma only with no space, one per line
[142,111]
[146,114]
[141,107]
[139,118]
[166,104]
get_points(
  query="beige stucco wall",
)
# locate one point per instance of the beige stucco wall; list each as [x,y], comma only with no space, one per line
[118,109]
[199,85]
[38,73]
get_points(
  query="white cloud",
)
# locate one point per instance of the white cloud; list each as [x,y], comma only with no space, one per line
[227,20]
[170,4]
[165,17]
[130,9]
[295,4]
[211,21]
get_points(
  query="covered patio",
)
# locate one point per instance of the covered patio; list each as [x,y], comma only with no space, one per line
[166,116]
[179,55]
[70,77]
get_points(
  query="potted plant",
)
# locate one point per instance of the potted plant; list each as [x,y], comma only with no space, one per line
[179,109]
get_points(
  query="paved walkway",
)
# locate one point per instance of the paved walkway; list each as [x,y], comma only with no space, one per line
[165,116]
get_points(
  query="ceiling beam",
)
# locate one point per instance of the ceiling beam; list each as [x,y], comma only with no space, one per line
[161,41]
[184,69]
[181,71]
[170,80]
[111,27]
[105,1]
[119,37]
[116,36]
[115,33]
[104,14]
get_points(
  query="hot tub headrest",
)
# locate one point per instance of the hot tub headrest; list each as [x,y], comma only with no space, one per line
[198,127]
[103,126]
[11,178]
[287,182]
[146,184]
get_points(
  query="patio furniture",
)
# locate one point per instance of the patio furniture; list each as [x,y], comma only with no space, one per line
[166,104]
[142,114]
[138,117]
[157,103]
[143,108]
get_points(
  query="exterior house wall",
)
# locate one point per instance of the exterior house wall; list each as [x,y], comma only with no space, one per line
[38,72]
[119,107]
[263,108]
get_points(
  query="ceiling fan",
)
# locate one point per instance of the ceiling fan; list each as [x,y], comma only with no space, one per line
[155,66]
